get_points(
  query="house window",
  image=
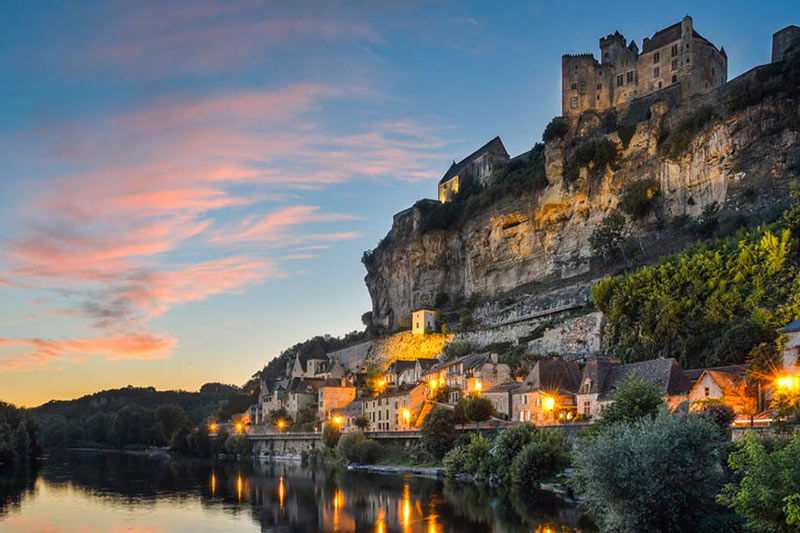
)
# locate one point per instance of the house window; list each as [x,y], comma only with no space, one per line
[674,50]
[656,57]
[707,392]
[674,64]
[656,72]
[630,77]
[619,80]
[587,408]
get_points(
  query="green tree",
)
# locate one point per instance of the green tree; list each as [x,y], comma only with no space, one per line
[170,417]
[541,458]
[509,443]
[654,475]
[330,434]
[439,432]
[768,492]
[608,237]
[22,444]
[361,422]
[479,409]
[634,398]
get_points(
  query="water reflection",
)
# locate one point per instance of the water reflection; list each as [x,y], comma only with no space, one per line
[83,489]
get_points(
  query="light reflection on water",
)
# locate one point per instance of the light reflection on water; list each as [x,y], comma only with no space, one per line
[102,492]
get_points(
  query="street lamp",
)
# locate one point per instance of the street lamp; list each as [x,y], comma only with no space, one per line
[548,403]
[212,428]
[239,427]
[281,425]
[789,383]
[407,416]
[338,420]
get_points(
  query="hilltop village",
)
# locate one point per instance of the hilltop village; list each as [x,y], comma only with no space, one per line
[510,319]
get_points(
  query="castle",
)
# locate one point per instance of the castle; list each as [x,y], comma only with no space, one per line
[675,55]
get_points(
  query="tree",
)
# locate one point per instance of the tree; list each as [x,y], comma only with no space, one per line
[330,434]
[361,422]
[439,432]
[479,409]
[640,198]
[634,398]
[170,417]
[768,491]
[276,415]
[509,443]
[608,237]
[22,444]
[541,458]
[719,414]
[762,363]
[556,129]
[648,475]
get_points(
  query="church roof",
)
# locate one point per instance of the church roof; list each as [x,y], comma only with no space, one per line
[494,145]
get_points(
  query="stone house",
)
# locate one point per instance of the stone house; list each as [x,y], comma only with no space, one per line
[791,348]
[334,394]
[602,375]
[726,385]
[302,394]
[396,409]
[400,372]
[478,166]
[468,374]
[349,413]
[500,396]
[676,55]
[547,394]
[423,321]
[316,364]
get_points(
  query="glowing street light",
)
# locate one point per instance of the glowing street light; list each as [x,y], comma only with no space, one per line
[338,420]
[407,416]
[239,427]
[478,386]
[433,384]
[212,428]
[548,403]
[789,383]
[281,425]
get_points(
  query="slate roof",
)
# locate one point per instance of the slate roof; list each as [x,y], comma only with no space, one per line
[494,145]
[552,375]
[694,374]
[665,373]
[399,366]
[504,387]
[794,325]
[398,391]
[426,363]
[666,36]
[354,408]
[305,386]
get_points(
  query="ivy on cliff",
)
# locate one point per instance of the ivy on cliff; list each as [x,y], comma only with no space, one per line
[710,304]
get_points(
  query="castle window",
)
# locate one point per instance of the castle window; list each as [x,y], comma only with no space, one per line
[687,60]
[599,86]
[600,73]
[598,97]
[656,57]
[630,77]
[687,46]
[583,87]
[713,71]
[674,50]
[656,72]
[674,64]
[674,78]
[659,85]
[573,102]
[619,80]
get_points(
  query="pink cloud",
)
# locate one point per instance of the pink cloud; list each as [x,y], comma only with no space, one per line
[274,226]
[42,352]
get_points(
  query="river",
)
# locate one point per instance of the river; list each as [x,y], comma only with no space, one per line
[91,492]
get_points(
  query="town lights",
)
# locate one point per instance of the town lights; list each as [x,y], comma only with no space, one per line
[338,420]
[407,416]
[789,383]
[212,428]
[548,403]
[281,424]
[239,427]
[433,384]
[478,386]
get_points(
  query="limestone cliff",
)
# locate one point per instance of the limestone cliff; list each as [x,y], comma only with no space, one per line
[540,241]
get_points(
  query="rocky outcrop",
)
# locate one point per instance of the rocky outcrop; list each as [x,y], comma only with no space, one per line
[539,240]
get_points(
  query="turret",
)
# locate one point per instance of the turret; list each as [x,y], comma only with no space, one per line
[610,47]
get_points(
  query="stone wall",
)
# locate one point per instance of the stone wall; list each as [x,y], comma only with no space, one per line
[576,338]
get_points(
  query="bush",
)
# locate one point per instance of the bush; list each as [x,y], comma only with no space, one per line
[600,155]
[509,443]
[470,459]
[556,129]
[330,434]
[541,458]
[635,398]
[649,475]
[238,444]
[608,237]
[355,448]
[479,409]
[639,198]
[719,414]
[455,462]
[766,495]
[439,432]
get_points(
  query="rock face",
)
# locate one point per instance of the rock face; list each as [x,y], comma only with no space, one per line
[541,239]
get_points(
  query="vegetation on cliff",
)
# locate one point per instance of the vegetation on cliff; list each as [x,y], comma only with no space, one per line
[710,304]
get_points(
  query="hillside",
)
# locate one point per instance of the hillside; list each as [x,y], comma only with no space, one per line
[611,191]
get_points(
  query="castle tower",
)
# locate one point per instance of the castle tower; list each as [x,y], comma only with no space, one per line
[611,46]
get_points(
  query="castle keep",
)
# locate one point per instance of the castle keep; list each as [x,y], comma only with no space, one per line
[676,55]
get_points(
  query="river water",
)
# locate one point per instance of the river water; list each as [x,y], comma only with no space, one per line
[89,492]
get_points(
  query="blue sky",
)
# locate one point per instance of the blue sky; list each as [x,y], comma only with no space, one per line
[186,188]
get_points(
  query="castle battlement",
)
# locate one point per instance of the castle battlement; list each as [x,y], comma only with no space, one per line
[676,55]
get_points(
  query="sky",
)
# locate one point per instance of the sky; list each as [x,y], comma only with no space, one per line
[186,188]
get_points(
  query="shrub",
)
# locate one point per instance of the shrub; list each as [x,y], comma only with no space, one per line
[472,458]
[455,461]
[769,482]
[541,458]
[639,198]
[509,443]
[608,237]
[626,133]
[355,448]
[556,129]
[439,432]
[479,409]
[649,475]
[330,434]
[635,398]
[238,444]
[719,414]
